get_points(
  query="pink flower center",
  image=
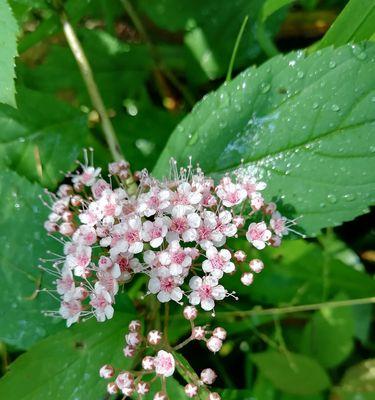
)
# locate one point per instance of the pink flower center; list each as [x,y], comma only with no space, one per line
[132,236]
[204,233]
[124,264]
[205,292]
[167,284]
[179,225]
[217,262]
[179,257]
[156,232]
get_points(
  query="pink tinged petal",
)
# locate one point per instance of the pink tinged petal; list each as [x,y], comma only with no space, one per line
[136,247]
[156,242]
[163,297]
[154,285]
[218,292]
[194,298]
[195,282]
[207,304]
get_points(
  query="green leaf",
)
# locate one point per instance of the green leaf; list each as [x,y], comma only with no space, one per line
[24,241]
[263,388]
[358,382]
[8,51]
[271,6]
[236,394]
[210,29]
[355,23]
[295,374]
[65,365]
[328,336]
[34,137]
[302,274]
[301,123]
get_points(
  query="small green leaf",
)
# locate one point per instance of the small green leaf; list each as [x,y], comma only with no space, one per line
[355,23]
[8,51]
[66,365]
[328,337]
[300,124]
[271,6]
[235,394]
[295,374]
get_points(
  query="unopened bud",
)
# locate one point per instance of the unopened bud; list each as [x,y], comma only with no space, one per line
[67,229]
[190,313]
[129,351]
[112,388]
[208,376]
[154,337]
[247,278]
[106,371]
[220,333]
[148,363]
[256,265]
[191,390]
[198,333]
[214,344]
[135,326]
[240,256]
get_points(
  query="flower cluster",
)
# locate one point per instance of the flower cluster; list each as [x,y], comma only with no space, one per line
[174,231]
[162,363]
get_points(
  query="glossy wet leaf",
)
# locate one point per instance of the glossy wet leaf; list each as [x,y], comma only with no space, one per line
[299,124]
[8,51]
[65,365]
[295,373]
[328,336]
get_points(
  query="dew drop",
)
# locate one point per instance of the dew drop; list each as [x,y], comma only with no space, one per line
[315,106]
[300,74]
[265,87]
[335,107]
[349,196]
[332,198]
[332,64]
[358,52]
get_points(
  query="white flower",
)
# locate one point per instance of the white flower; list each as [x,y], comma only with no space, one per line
[278,224]
[164,363]
[101,302]
[230,193]
[71,311]
[127,236]
[167,288]
[205,292]
[218,262]
[155,232]
[258,235]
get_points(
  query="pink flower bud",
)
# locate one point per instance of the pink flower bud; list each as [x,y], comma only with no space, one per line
[198,333]
[67,229]
[269,208]
[129,351]
[133,339]
[148,363]
[81,293]
[239,221]
[135,326]
[106,371]
[220,333]
[125,380]
[247,278]
[154,337]
[190,313]
[240,256]
[191,390]
[127,391]
[67,216]
[208,376]
[214,344]
[275,241]
[78,187]
[256,265]
[214,396]
[160,396]
[76,201]
[50,227]
[142,388]
[112,388]
[64,190]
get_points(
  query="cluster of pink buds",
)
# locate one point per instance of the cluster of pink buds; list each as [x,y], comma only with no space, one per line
[161,361]
[174,231]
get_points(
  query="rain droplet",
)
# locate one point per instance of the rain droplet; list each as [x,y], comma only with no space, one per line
[315,106]
[332,198]
[265,87]
[335,107]
[358,52]
[332,64]
[349,196]
[300,74]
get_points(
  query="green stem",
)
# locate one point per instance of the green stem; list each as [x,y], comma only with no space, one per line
[235,49]
[96,98]
[295,309]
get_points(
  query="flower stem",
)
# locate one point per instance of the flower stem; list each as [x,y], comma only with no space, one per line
[295,309]
[95,96]
[166,321]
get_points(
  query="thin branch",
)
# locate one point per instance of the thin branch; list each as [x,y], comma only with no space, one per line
[96,99]
[295,309]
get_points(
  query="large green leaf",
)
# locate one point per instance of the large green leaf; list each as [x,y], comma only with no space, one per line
[34,137]
[24,241]
[305,124]
[355,23]
[292,373]
[328,336]
[8,50]
[66,365]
